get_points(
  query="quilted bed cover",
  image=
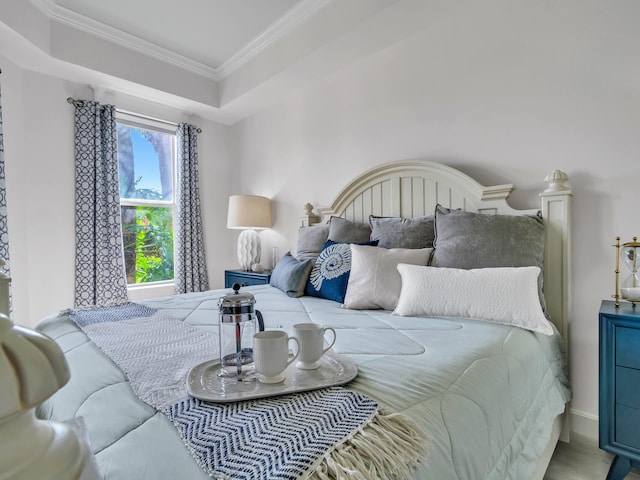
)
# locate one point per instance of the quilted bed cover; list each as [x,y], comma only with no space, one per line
[486,394]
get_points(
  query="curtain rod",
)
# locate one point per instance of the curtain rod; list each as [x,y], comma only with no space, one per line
[80,103]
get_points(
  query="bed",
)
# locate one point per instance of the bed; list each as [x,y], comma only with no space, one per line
[489,396]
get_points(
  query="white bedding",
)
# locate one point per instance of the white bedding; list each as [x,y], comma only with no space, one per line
[486,393]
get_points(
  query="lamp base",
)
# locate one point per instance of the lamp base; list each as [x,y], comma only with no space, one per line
[248,249]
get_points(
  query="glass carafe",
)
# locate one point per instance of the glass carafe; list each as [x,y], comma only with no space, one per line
[238,321]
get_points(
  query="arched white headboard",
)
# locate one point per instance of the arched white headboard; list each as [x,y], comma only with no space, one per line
[413,188]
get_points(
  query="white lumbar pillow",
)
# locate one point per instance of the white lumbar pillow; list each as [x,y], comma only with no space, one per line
[374,281]
[507,295]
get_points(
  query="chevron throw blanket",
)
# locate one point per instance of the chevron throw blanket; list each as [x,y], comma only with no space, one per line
[325,434]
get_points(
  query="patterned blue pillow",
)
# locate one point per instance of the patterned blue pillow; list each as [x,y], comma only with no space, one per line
[330,274]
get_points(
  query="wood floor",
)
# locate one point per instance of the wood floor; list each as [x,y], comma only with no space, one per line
[581,460]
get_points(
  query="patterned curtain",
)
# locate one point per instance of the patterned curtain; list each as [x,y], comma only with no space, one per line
[100,272]
[4,232]
[190,265]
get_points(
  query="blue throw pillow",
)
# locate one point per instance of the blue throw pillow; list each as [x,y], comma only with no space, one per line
[290,275]
[330,273]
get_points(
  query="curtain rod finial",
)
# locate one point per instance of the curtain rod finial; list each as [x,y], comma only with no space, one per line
[74,102]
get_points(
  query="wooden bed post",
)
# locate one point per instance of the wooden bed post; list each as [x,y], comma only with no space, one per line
[32,368]
[556,212]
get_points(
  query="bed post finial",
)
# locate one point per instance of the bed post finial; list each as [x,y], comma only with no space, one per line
[32,368]
[309,217]
[556,181]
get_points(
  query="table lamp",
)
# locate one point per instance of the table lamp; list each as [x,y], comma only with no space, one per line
[249,213]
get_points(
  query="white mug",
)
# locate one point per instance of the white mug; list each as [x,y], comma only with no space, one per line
[271,355]
[311,344]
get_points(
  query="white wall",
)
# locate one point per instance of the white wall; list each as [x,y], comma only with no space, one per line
[38,140]
[506,98]
[39,159]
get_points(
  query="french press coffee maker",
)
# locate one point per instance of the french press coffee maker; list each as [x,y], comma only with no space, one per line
[237,321]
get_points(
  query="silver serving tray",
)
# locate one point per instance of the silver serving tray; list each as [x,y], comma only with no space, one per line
[204,383]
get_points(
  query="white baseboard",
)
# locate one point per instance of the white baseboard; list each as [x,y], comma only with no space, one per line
[584,423]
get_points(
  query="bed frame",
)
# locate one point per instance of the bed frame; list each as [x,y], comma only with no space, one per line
[413,188]
[406,189]
[32,368]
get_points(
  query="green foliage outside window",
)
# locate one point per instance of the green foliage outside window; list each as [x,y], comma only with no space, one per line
[146,175]
[152,245]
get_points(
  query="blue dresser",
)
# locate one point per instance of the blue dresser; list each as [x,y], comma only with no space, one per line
[620,386]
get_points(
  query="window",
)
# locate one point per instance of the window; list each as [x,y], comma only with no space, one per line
[146,162]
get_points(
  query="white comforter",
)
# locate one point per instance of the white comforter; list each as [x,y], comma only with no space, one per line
[485,393]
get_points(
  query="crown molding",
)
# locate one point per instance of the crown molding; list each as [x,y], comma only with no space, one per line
[83,23]
[45,6]
[298,13]
[301,11]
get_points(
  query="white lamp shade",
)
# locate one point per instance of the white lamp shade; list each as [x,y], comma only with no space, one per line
[250,213]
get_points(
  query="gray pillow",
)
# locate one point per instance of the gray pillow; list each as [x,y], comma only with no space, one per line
[395,232]
[342,230]
[474,240]
[291,275]
[310,241]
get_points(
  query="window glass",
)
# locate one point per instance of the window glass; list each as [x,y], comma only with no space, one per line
[148,243]
[146,160]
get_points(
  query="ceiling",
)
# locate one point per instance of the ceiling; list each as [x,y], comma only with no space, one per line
[220,59]
[225,60]
[205,31]
[209,32]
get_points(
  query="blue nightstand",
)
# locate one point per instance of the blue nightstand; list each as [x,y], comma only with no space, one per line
[620,386]
[245,278]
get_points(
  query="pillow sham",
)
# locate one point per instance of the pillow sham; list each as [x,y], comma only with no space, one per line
[505,295]
[396,232]
[310,241]
[374,281]
[290,275]
[342,230]
[476,240]
[330,273]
